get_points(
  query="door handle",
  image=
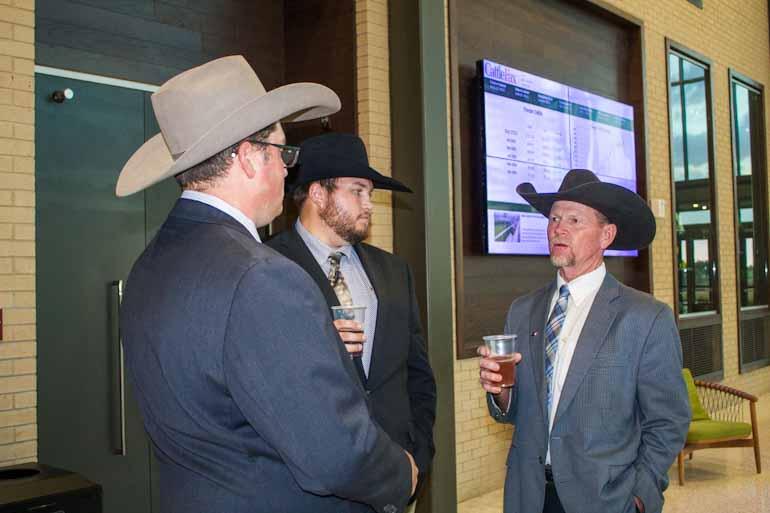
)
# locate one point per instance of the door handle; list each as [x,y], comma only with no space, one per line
[118,385]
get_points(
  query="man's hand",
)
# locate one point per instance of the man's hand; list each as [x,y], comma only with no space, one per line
[415,472]
[489,376]
[352,334]
[639,504]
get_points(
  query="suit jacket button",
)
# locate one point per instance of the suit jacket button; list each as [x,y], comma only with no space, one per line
[390,508]
[368,392]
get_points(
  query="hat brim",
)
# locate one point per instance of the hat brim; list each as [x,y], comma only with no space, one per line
[622,207]
[153,162]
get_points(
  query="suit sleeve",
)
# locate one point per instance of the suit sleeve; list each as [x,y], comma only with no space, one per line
[421,386]
[288,373]
[664,410]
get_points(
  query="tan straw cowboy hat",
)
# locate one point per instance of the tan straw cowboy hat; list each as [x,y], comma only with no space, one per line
[204,110]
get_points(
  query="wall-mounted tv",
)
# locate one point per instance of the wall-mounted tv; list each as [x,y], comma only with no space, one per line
[535,130]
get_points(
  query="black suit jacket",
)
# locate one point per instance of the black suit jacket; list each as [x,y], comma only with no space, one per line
[401,385]
[227,380]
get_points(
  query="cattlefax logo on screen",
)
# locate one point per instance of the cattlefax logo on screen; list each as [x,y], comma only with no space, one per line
[499,72]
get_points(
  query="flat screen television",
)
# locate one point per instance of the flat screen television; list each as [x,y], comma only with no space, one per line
[535,130]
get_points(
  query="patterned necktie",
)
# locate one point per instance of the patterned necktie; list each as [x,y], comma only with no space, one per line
[552,331]
[337,281]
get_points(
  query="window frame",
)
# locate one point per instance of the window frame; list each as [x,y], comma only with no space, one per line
[754,311]
[711,317]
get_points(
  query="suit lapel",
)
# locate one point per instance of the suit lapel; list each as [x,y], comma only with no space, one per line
[300,253]
[380,347]
[537,346]
[591,339]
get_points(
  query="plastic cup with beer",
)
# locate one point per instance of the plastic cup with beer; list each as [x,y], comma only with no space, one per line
[351,313]
[501,349]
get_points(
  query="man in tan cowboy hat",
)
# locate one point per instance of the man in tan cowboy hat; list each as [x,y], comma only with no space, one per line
[247,392]
[599,403]
[332,189]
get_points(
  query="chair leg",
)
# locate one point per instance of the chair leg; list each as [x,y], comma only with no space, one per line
[755,436]
[757,459]
[680,465]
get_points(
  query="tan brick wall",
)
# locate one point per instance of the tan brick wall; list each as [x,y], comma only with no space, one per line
[732,35]
[18,396]
[373,109]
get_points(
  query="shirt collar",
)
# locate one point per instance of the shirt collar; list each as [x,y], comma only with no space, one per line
[583,286]
[225,207]
[320,249]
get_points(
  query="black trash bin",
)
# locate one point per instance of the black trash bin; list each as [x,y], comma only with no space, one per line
[36,488]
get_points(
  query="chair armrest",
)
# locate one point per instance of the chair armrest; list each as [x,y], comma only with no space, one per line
[724,388]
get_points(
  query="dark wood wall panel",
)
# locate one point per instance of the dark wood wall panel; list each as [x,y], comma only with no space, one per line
[321,47]
[152,40]
[570,42]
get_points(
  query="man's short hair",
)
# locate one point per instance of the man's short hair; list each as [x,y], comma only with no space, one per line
[602,218]
[299,194]
[205,174]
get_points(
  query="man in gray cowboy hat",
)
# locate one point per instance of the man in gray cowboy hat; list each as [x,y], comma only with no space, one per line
[247,393]
[599,405]
[333,191]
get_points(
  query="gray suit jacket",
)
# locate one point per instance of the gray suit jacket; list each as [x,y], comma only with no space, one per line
[623,413]
[247,392]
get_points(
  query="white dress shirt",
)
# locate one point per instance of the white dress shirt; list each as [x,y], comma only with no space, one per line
[582,292]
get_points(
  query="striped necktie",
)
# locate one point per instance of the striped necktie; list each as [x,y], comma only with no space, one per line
[552,331]
[337,281]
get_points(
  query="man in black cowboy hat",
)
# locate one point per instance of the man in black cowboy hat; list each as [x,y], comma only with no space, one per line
[333,190]
[599,403]
[250,399]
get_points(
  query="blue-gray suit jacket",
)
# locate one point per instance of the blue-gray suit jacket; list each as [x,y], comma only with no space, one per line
[247,392]
[623,413]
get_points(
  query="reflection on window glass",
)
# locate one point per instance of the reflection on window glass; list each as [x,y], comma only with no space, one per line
[748,141]
[691,172]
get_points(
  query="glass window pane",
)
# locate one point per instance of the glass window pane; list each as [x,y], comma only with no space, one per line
[692,71]
[677,136]
[696,126]
[673,68]
[742,130]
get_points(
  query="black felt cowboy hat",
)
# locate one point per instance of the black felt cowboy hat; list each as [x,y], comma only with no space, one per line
[336,155]
[624,208]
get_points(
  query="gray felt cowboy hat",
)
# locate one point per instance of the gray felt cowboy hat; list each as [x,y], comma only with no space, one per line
[206,109]
[624,208]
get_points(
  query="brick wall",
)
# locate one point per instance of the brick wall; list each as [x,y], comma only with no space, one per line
[373,108]
[732,35]
[18,396]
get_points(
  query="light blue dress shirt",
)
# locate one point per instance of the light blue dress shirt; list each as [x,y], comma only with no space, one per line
[352,269]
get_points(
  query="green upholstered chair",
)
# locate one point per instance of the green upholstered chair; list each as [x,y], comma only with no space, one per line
[717,420]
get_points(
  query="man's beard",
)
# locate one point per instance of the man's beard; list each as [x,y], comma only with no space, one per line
[342,223]
[563,260]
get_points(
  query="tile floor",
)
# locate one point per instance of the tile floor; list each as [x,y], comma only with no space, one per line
[716,480]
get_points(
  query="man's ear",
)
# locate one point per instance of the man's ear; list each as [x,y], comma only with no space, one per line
[317,194]
[609,232]
[246,160]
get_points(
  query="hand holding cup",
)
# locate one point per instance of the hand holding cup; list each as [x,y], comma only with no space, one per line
[349,322]
[497,367]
